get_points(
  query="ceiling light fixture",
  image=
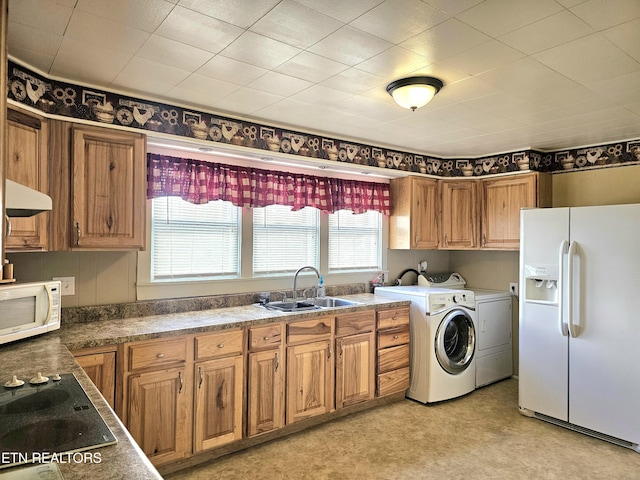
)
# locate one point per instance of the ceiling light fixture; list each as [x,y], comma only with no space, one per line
[414,92]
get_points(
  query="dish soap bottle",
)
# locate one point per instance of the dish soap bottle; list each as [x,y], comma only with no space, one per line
[321,289]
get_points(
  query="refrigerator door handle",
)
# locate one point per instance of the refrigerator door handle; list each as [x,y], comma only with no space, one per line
[564,329]
[573,247]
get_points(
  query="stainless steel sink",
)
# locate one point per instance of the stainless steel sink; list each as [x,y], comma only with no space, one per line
[331,302]
[310,304]
[298,306]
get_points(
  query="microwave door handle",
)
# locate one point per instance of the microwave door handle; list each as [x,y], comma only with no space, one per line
[50,309]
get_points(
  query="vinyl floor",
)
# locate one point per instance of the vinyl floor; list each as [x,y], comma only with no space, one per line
[478,436]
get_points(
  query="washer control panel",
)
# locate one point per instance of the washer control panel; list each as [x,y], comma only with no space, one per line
[441,301]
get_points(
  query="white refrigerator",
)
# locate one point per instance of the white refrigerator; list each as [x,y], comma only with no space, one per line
[580,319]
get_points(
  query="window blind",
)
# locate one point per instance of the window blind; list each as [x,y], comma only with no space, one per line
[355,241]
[194,241]
[284,240]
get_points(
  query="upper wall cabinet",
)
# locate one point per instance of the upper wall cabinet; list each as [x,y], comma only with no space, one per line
[26,163]
[463,214]
[98,188]
[502,199]
[459,215]
[415,206]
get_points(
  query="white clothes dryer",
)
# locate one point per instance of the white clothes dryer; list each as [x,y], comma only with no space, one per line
[443,341]
[494,352]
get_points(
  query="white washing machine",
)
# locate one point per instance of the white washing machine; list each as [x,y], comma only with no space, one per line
[443,341]
[494,352]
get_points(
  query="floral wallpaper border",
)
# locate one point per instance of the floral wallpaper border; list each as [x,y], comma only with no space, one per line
[102,106]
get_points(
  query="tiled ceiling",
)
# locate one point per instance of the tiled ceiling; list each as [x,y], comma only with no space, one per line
[544,74]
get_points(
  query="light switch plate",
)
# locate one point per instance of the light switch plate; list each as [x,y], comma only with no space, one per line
[513,288]
[68,285]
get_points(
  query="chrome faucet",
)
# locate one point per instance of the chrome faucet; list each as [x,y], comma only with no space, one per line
[295,278]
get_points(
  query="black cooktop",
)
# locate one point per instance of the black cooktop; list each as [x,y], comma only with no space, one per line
[54,417]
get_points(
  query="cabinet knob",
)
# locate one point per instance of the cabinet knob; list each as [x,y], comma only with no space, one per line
[221,345]
[395,337]
[265,338]
[395,317]
[160,355]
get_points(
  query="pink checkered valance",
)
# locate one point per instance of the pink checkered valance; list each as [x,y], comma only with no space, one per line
[199,181]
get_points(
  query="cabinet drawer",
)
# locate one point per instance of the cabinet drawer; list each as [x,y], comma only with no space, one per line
[393,336]
[393,358]
[156,354]
[355,323]
[393,317]
[393,382]
[262,338]
[310,330]
[226,342]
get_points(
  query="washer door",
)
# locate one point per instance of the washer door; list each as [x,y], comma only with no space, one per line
[455,341]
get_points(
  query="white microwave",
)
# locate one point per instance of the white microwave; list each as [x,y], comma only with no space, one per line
[28,309]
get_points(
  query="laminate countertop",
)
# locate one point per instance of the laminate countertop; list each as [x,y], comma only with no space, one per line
[50,353]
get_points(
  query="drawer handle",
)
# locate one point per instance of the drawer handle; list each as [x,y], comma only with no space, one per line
[265,338]
[160,355]
[395,337]
[221,345]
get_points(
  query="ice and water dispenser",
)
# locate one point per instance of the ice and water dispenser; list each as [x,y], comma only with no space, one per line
[541,283]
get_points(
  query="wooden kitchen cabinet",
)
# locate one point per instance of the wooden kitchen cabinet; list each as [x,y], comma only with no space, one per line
[98,187]
[393,350]
[265,409]
[109,178]
[159,413]
[157,405]
[218,402]
[219,388]
[310,369]
[100,366]
[459,219]
[414,211]
[502,199]
[26,164]
[355,358]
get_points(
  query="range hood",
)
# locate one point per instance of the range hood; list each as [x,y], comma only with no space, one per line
[23,201]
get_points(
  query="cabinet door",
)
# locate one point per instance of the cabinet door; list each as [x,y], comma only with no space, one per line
[266,391]
[459,218]
[424,225]
[218,402]
[502,200]
[355,369]
[27,165]
[309,380]
[414,217]
[159,413]
[101,369]
[108,188]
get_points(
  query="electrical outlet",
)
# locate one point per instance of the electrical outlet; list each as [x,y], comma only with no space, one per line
[513,288]
[67,285]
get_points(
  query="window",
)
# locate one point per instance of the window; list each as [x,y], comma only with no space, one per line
[354,241]
[190,241]
[284,240]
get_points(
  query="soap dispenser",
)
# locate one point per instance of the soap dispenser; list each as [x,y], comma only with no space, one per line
[321,289]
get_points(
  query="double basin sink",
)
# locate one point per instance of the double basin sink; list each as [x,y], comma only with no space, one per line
[310,304]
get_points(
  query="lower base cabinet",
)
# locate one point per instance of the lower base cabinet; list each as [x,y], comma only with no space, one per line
[309,380]
[218,402]
[186,395]
[159,413]
[100,367]
[266,392]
